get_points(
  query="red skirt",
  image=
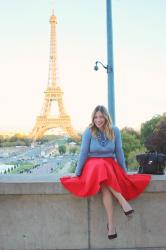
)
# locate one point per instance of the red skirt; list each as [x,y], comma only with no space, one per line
[97,171]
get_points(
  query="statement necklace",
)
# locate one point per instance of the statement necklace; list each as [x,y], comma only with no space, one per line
[102,139]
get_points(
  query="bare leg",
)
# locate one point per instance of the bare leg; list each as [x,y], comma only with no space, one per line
[122,201]
[108,204]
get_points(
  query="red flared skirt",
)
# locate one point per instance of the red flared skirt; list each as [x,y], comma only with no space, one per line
[97,171]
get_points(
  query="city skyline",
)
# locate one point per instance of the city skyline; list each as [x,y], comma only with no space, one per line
[139,58]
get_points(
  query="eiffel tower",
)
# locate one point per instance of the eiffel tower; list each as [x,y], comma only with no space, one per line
[53,93]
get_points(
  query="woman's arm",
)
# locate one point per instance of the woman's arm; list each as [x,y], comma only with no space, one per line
[83,151]
[119,150]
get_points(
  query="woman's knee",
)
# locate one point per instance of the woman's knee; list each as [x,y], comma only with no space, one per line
[115,192]
[104,189]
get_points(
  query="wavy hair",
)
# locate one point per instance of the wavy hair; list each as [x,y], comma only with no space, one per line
[107,126]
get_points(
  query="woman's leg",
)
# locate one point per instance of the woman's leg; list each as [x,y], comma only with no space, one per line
[108,204]
[122,201]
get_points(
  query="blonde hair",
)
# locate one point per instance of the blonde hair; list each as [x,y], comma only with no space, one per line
[107,126]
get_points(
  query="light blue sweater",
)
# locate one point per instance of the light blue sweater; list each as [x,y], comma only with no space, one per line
[92,147]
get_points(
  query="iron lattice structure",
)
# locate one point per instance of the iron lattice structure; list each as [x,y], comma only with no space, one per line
[53,93]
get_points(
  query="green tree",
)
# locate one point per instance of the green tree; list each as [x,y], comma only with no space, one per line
[6,144]
[73,150]
[62,149]
[1,139]
[15,140]
[148,127]
[130,144]
[132,162]
[131,131]
[72,167]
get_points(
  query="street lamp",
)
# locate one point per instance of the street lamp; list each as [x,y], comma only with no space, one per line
[109,67]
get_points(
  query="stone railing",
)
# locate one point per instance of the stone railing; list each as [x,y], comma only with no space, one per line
[37,213]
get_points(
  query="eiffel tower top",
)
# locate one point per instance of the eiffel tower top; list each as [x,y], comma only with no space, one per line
[53,17]
[52,60]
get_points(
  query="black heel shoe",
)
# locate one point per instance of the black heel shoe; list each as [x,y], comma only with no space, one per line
[129,212]
[112,236]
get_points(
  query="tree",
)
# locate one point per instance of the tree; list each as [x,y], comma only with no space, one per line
[157,140]
[131,131]
[130,142]
[72,167]
[62,149]
[15,140]
[131,159]
[73,150]
[131,146]
[148,127]
[1,138]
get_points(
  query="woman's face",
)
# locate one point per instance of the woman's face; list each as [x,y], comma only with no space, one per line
[99,120]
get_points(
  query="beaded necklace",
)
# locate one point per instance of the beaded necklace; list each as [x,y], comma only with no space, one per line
[102,139]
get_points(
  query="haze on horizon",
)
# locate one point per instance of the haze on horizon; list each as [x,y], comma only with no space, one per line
[139,37]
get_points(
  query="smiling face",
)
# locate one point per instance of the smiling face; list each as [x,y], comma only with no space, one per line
[99,120]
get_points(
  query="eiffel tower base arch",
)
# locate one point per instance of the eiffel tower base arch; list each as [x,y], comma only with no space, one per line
[43,124]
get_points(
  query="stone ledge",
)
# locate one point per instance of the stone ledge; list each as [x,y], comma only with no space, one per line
[46,184]
[37,213]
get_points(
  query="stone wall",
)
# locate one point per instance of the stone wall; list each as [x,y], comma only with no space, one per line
[37,213]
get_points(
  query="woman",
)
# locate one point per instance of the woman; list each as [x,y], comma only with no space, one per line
[101,166]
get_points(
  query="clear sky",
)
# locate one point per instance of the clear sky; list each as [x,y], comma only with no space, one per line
[139,37]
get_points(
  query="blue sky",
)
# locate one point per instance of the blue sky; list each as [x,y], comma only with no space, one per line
[139,37]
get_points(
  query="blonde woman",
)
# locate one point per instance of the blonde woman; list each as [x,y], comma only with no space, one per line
[101,167]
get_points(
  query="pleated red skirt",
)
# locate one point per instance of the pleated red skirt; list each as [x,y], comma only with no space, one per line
[97,171]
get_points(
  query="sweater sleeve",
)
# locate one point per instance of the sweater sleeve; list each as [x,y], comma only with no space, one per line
[119,150]
[84,150]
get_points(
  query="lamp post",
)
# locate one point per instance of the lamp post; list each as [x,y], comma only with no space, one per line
[109,67]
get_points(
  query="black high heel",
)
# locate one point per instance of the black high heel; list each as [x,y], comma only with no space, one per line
[112,236]
[129,212]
